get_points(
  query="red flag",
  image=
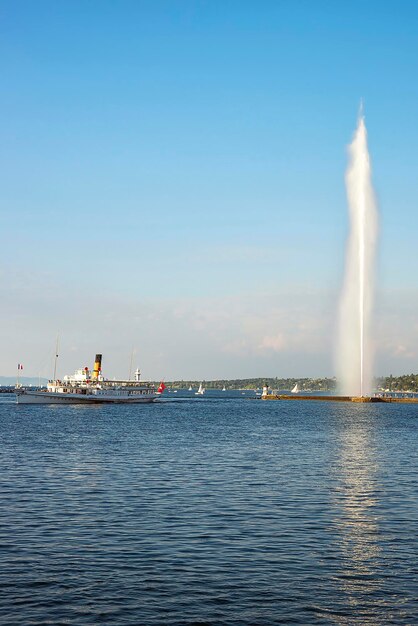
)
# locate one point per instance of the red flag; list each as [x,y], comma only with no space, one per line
[161,387]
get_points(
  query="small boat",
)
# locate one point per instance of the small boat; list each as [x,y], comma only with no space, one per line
[200,391]
[295,389]
[190,388]
[86,387]
[224,389]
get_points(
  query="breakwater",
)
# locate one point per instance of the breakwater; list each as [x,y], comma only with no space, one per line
[388,399]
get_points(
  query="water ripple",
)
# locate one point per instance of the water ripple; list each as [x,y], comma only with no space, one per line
[208,512]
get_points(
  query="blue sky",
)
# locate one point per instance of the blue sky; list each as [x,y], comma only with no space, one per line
[173,181]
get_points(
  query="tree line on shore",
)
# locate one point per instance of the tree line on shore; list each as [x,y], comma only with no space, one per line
[406,382]
[305,384]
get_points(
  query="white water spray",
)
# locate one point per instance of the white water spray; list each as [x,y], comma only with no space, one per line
[355,354]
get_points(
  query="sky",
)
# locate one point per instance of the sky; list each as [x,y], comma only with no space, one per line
[172,183]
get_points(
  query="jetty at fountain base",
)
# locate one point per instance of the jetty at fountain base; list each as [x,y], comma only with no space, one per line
[387,399]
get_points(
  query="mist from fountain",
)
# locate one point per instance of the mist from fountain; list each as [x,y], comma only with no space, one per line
[354,345]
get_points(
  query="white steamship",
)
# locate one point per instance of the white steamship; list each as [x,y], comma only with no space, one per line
[84,387]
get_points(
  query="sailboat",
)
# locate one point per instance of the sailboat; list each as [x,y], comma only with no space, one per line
[295,389]
[224,389]
[200,391]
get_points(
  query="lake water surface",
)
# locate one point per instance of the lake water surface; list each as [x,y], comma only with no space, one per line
[207,511]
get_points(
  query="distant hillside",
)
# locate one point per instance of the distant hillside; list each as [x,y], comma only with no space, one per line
[282,384]
[10,381]
[407,382]
[312,384]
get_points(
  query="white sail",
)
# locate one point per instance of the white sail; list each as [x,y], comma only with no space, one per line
[295,389]
[201,390]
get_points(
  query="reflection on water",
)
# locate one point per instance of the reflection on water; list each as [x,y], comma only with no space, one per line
[357,504]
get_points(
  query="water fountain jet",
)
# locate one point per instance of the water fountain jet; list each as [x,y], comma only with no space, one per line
[354,351]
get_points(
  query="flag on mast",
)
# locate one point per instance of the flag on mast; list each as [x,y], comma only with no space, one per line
[19,366]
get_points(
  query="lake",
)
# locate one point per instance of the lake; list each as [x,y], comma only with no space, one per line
[205,511]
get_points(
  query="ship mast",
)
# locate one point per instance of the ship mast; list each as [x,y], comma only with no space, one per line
[56,358]
[130,364]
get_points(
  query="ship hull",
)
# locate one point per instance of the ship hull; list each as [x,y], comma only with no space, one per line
[43,397]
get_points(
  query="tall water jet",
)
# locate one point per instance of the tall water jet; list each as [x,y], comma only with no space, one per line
[355,353]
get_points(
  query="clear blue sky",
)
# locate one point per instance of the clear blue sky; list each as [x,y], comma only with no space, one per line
[173,180]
